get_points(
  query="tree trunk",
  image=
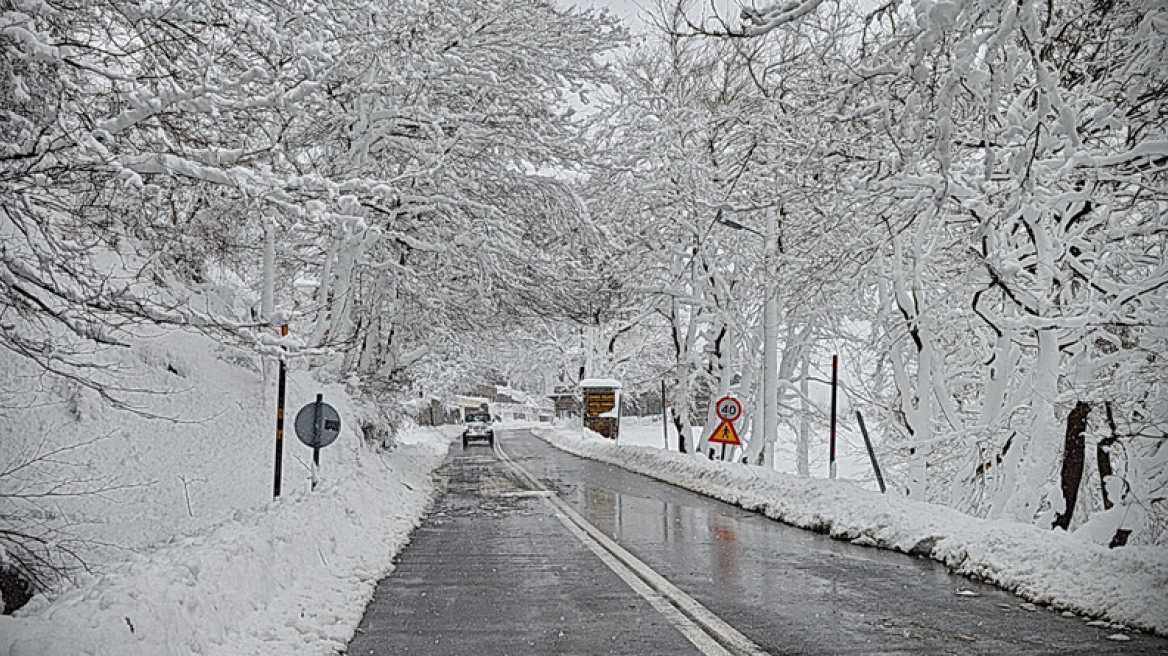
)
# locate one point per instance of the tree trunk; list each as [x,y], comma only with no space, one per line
[718,370]
[268,292]
[1120,538]
[1037,452]
[803,444]
[1103,456]
[680,426]
[1073,459]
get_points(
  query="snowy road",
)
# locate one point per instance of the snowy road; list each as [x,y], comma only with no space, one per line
[571,560]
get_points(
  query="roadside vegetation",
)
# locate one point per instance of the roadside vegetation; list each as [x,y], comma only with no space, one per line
[965,201]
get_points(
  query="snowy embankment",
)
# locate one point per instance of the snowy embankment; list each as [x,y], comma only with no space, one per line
[289,578]
[1125,586]
[190,553]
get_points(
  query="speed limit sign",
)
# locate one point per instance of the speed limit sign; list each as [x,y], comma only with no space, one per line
[728,409]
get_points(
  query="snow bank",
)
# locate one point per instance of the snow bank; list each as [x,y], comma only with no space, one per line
[189,552]
[292,577]
[1126,586]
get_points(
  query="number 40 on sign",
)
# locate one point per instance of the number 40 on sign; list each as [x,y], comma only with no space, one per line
[728,410]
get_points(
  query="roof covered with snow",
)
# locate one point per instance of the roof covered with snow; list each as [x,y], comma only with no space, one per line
[600,382]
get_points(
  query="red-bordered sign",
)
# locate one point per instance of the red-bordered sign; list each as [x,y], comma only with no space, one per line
[728,409]
[725,434]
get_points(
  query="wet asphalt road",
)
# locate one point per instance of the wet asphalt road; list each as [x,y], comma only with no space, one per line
[492,570]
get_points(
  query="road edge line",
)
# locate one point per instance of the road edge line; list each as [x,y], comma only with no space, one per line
[645,575]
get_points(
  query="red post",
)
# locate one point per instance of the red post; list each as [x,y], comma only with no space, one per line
[664,416]
[834,384]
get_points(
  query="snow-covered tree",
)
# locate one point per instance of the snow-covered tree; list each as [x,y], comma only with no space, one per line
[377,173]
[727,142]
[1003,166]
[1024,146]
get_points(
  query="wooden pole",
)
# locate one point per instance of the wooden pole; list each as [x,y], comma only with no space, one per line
[871,452]
[280,419]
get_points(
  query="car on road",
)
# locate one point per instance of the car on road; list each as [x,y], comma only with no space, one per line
[478,427]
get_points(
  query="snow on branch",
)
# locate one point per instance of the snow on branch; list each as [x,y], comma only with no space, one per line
[761,21]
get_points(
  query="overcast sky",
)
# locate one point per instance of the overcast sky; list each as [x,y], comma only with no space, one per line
[628,10]
[633,12]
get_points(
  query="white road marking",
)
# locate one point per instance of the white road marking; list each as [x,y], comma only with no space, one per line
[526,494]
[666,598]
[700,639]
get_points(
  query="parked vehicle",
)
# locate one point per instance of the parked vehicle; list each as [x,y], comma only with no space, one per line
[478,427]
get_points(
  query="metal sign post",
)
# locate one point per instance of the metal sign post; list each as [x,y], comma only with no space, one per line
[315,465]
[317,426]
[316,431]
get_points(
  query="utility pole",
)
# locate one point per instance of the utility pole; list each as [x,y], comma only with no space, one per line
[770,330]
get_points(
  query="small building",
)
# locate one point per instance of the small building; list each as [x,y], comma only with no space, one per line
[565,401]
[430,411]
[602,406]
[465,404]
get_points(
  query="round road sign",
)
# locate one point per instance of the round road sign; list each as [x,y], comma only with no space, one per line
[315,428]
[728,409]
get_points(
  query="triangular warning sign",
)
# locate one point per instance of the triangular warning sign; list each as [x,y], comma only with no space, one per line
[725,434]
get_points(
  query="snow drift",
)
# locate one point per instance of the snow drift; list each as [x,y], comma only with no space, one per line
[187,549]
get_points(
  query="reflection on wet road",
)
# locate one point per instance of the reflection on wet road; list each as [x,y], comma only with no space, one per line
[491,570]
[790,591]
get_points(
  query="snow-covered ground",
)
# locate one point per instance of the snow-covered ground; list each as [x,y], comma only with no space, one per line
[851,458]
[189,552]
[1122,587]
